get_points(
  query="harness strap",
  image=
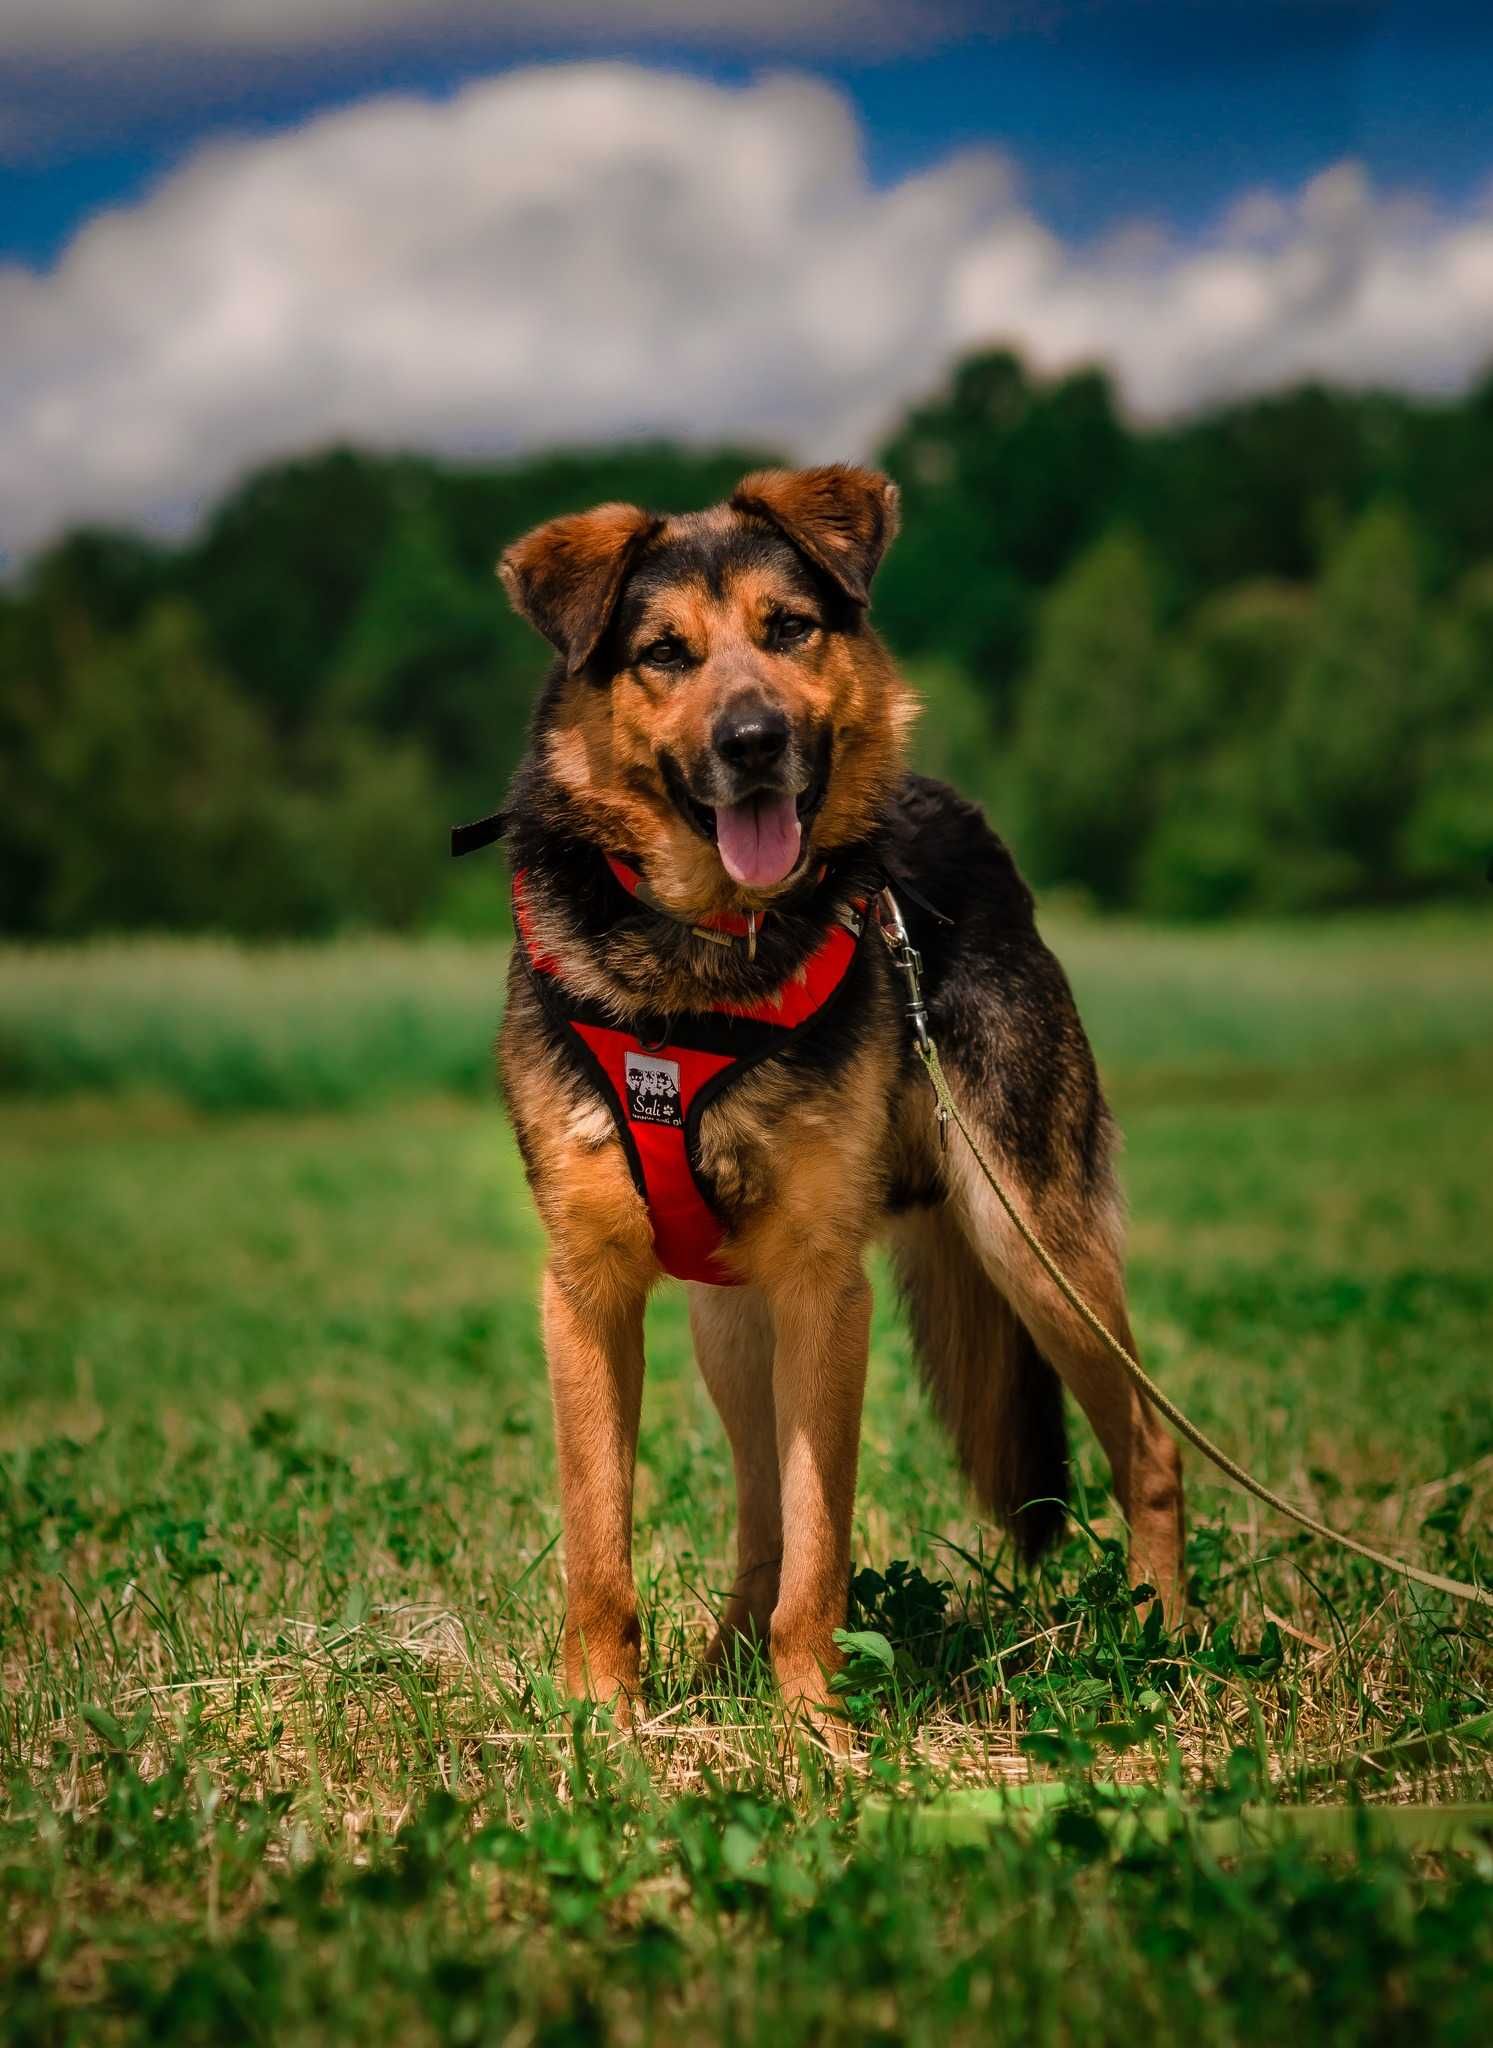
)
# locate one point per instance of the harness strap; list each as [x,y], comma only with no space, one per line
[481,832]
[657,1086]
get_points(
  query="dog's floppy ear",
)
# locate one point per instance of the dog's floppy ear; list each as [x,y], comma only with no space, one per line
[841,517]
[565,576]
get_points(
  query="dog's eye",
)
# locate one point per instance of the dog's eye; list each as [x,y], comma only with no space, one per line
[791,629]
[666,652]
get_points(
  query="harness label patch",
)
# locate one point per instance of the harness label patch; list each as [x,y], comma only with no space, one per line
[653,1091]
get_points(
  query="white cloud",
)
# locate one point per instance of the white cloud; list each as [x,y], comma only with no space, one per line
[1334,281]
[572,253]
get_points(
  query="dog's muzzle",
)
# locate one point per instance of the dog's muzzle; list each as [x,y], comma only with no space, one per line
[754,793]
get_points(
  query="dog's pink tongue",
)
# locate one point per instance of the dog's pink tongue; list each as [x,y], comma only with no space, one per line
[758,839]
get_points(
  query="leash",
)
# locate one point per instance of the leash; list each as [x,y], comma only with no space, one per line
[907,961]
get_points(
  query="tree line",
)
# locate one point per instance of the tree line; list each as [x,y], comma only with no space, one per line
[1239,663]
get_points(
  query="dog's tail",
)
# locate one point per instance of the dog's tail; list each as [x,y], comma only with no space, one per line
[995,1393]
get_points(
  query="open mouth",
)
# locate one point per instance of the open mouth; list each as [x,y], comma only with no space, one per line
[760,837]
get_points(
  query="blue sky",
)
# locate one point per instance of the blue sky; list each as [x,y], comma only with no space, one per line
[1115,111]
[242,228]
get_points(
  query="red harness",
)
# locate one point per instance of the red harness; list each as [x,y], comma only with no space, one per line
[657,1091]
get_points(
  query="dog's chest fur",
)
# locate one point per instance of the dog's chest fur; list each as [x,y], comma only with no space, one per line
[804,1130]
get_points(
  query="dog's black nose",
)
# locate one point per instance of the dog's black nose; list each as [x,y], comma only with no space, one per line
[751,738]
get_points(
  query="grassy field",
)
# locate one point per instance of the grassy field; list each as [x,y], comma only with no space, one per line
[284,1753]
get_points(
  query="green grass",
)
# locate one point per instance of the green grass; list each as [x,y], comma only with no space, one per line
[280,1587]
[226,1027]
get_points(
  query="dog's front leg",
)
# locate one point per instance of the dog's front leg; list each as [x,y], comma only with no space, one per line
[822,1328]
[593,1335]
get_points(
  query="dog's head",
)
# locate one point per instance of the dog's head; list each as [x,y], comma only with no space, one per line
[721,710]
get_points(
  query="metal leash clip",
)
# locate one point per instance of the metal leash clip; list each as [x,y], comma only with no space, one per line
[908,962]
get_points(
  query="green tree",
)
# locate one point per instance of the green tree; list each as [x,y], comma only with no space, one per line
[1351,729]
[1227,673]
[283,566]
[1258,489]
[434,658]
[955,737]
[269,727]
[161,792]
[100,580]
[1448,836]
[373,820]
[1085,746]
[1447,842]
[1005,480]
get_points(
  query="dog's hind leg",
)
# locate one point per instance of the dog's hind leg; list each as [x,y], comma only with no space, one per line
[997,1397]
[734,1348]
[1081,1227]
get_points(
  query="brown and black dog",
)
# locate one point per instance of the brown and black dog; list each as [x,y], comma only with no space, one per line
[713,795]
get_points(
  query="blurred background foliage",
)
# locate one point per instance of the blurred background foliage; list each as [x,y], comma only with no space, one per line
[1236,664]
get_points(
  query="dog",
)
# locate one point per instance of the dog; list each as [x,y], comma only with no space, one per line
[706,1058]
